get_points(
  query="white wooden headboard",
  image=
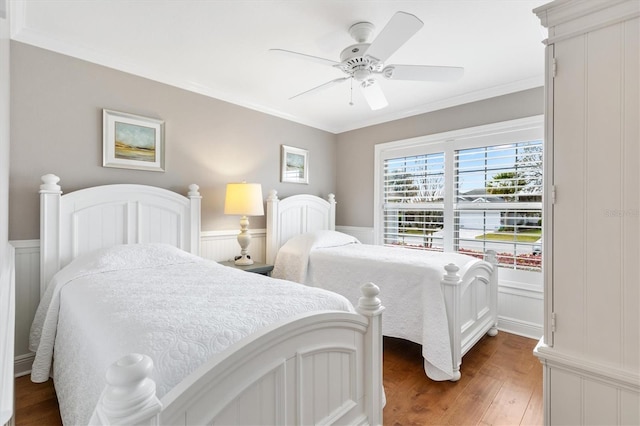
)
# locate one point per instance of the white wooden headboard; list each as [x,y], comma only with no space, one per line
[296,215]
[103,216]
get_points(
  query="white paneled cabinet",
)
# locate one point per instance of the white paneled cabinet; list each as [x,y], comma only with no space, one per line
[591,350]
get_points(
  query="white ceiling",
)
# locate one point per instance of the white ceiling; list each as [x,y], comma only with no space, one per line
[221,49]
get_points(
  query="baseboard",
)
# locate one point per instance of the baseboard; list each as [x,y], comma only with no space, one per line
[22,364]
[521,328]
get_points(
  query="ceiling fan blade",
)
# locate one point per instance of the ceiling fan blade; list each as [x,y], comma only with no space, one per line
[321,87]
[422,72]
[400,28]
[373,94]
[305,56]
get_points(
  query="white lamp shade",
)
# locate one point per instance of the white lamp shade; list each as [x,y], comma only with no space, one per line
[244,199]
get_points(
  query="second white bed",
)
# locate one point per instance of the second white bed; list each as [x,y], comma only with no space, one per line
[444,301]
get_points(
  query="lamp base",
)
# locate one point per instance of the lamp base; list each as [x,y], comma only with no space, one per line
[244,260]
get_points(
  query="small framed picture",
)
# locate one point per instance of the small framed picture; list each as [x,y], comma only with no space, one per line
[294,165]
[132,142]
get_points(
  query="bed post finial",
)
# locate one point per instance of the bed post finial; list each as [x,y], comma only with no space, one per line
[194,191]
[451,276]
[273,195]
[50,184]
[369,300]
[492,257]
[370,306]
[130,395]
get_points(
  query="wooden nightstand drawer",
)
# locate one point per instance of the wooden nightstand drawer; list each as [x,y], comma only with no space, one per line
[256,268]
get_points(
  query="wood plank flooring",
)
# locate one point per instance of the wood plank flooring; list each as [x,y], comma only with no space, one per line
[501,384]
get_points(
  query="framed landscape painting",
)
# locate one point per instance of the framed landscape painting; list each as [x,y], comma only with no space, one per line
[294,165]
[132,141]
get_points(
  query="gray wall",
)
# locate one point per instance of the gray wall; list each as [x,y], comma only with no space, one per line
[355,151]
[56,127]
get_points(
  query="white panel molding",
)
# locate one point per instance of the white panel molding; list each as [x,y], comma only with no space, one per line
[363,234]
[619,378]
[598,392]
[223,245]
[27,274]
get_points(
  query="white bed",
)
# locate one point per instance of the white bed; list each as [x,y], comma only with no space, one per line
[444,301]
[115,277]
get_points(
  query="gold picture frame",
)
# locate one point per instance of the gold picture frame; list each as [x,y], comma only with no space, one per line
[132,141]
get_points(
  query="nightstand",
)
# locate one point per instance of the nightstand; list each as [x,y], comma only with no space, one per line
[257,268]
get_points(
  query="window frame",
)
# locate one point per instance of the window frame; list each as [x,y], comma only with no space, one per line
[505,132]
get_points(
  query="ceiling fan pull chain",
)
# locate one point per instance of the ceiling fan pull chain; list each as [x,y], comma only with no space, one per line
[351,100]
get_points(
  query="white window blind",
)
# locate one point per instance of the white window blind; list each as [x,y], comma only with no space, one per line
[466,191]
[414,201]
[498,203]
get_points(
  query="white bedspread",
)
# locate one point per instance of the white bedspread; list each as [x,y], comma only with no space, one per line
[153,299]
[408,279]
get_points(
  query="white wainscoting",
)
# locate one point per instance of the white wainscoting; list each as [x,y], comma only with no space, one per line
[520,306]
[598,392]
[27,261]
[223,245]
[364,235]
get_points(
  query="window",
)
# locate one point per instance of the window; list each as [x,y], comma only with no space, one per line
[414,201]
[466,191]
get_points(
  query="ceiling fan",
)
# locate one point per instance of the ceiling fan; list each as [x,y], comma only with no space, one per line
[364,61]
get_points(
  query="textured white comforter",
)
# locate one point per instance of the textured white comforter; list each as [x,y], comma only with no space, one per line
[175,307]
[408,279]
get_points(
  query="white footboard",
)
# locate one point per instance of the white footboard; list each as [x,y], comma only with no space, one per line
[472,306]
[320,368]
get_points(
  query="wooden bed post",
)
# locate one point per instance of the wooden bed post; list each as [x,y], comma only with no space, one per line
[272,243]
[129,397]
[50,193]
[195,201]
[370,306]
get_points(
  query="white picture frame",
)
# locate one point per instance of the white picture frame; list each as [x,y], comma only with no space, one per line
[294,165]
[132,141]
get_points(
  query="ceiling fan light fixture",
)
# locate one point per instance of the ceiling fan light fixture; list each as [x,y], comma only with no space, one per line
[361,74]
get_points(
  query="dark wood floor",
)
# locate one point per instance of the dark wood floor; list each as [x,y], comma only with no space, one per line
[501,384]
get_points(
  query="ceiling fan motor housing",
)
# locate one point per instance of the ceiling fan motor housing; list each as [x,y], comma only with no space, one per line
[355,63]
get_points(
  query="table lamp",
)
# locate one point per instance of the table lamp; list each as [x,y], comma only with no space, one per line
[244,199]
